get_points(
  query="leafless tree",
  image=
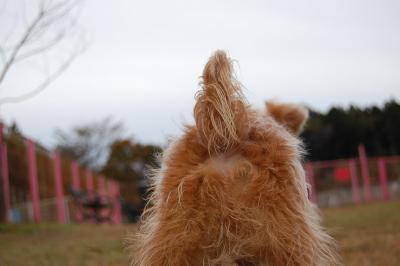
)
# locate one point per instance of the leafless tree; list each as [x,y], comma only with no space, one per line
[44,32]
[89,143]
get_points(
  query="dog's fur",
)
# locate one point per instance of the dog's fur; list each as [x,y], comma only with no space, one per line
[232,189]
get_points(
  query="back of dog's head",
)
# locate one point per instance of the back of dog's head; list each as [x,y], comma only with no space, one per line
[259,155]
[236,181]
[231,132]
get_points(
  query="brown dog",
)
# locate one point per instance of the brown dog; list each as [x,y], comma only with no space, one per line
[232,189]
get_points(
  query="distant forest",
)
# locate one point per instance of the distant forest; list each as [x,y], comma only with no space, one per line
[337,133]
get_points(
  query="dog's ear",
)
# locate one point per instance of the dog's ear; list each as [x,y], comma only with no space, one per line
[293,117]
[220,110]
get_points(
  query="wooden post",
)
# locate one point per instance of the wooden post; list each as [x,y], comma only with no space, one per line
[6,182]
[33,180]
[355,190]
[365,172]
[58,185]
[311,180]
[383,179]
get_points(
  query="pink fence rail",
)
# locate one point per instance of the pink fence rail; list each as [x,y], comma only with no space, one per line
[354,180]
[38,188]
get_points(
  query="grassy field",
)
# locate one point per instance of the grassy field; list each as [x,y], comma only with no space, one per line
[367,235]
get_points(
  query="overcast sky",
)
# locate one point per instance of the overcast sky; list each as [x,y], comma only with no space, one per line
[145,59]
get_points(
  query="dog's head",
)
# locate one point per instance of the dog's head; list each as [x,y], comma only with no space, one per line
[262,150]
[232,189]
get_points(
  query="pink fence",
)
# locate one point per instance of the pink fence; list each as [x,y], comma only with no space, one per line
[36,185]
[355,180]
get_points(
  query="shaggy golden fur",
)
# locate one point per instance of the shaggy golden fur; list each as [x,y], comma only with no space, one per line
[232,189]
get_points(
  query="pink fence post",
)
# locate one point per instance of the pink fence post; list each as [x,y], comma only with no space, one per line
[311,181]
[33,180]
[90,190]
[76,185]
[76,182]
[6,182]
[1,132]
[89,183]
[365,172]
[58,185]
[118,211]
[101,190]
[114,193]
[383,179]
[101,186]
[355,191]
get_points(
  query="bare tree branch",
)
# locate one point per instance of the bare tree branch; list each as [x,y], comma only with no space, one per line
[43,48]
[20,44]
[47,30]
[2,55]
[50,79]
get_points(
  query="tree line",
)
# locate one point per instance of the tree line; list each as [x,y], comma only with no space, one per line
[337,133]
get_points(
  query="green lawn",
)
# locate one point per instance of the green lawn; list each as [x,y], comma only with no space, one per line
[367,235]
